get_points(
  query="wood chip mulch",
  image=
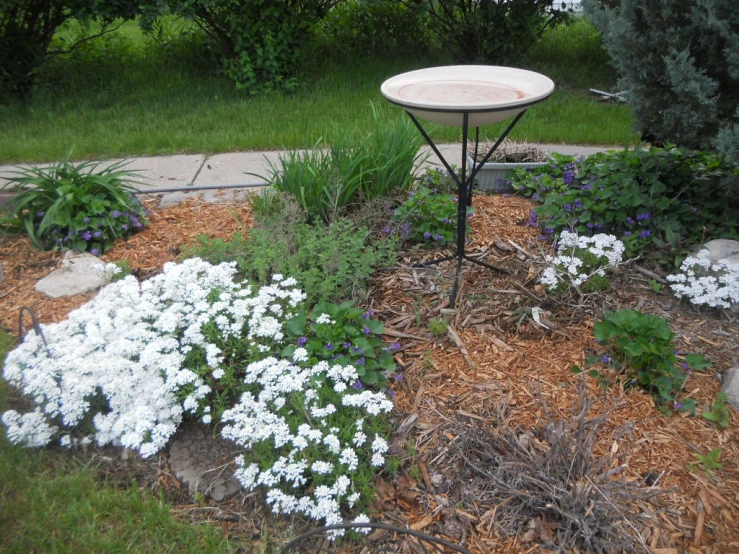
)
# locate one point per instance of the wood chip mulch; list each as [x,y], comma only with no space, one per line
[494,352]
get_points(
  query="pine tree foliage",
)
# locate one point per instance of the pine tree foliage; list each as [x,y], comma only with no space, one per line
[678,61]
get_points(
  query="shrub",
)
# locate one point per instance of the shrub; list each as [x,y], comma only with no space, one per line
[668,198]
[259,41]
[678,63]
[486,31]
[126,367]
[640,346]
[67,206]
[429,214]
[330,262]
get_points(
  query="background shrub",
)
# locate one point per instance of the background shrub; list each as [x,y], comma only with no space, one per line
[488,31]
[678,61]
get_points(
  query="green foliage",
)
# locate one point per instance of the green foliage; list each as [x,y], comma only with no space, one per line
[438,327]
[719,412]
[678,62]
[664,198]
[345,335]
[67,206]
[429,214]
[640,346]
[27,28]
[259,41]
[330,262]
[488,32]
[708,462]
[357,167]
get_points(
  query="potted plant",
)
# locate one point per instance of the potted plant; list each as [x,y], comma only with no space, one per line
[493,176]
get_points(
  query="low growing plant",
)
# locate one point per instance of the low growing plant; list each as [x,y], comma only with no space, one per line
[708,462]
[705,282]
[664,198]
[70,206]
[582,262]
[194,343]
[719,412]
[429,214]
[640,346]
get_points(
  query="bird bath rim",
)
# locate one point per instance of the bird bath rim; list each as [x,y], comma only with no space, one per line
[489,94]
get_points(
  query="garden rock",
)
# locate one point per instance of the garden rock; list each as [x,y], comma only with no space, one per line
[731,386]
[76,276]
[723,249]
[202,462]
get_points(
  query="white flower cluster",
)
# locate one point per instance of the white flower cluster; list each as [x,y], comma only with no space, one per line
[568,266]
[705,282]
[129,345]
[263,418]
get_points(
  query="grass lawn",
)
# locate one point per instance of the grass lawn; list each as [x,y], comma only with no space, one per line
[128,95]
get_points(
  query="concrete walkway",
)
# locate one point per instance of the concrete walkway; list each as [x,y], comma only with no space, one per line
[248,168]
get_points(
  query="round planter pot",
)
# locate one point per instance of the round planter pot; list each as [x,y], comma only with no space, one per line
[492,177]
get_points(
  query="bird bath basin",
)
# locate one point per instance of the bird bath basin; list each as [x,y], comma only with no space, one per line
[489,94]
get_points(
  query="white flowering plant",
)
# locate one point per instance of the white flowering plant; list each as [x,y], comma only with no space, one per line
[705,282]
[127,367]
[345,335]
[582,262]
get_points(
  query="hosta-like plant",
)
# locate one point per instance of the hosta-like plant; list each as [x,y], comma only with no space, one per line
[69,206]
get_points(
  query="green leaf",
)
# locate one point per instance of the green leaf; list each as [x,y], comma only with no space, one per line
[296,325]
[697,361]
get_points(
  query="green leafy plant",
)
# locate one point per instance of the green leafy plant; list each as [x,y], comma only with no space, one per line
[640,346]
[719,412]
[708,462]
[345,335]
[657,198]
[67,206]
[429,214]
[330,262]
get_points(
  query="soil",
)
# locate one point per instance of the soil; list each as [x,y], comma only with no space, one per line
[495,370]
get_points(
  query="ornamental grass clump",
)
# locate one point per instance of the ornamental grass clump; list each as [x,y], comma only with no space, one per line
[193,343]
[705,282]
[74,207]
[582,262]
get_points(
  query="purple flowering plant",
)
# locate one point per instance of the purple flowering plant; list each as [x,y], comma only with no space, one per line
[658,199]
[640,348]
[430,212]
[354,336]
[69,206]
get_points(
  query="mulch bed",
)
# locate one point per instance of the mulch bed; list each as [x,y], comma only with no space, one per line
[494,355]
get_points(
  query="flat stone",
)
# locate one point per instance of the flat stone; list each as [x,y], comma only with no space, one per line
[723,249]
[237,168]
[76,276]
[731,386]
[211,196]
[202,461]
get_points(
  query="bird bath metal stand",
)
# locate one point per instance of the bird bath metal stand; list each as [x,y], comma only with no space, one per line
[466,96]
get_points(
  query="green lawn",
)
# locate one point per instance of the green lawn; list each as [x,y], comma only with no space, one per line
[127,95]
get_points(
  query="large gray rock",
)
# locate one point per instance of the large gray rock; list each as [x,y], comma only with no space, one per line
[202,462]
[76,276]
[723,249]
[731,386]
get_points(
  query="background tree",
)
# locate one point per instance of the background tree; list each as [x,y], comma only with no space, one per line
[678,61]
[27,28]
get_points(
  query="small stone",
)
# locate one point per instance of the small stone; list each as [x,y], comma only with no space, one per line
[731,386]
[202,462]
[76,276]
[723,249]
[437,480]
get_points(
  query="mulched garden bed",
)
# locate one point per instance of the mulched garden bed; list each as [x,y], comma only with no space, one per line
[495,373]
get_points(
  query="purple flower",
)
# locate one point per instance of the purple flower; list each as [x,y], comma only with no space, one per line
[568,176]
[86,220]
[398,377]
[677,405]
[535,196]
[124,227]
[645,233]
[586,187]
[605,358]
[302,341]
[439,237]
[347,345]
[390,393]
[360,361]
[329,346]
[589,225]
[405,231]
[94,251]
[627,233]
[549,230]
[427,235]
[642,217]
[578,203]
[97,234]
[40,214]
[630,220]
[116,214]
[567,207]
[87,235]
[386,230]
[395,346]
[357,384]
[368,314]
[356,349]
[367,330]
